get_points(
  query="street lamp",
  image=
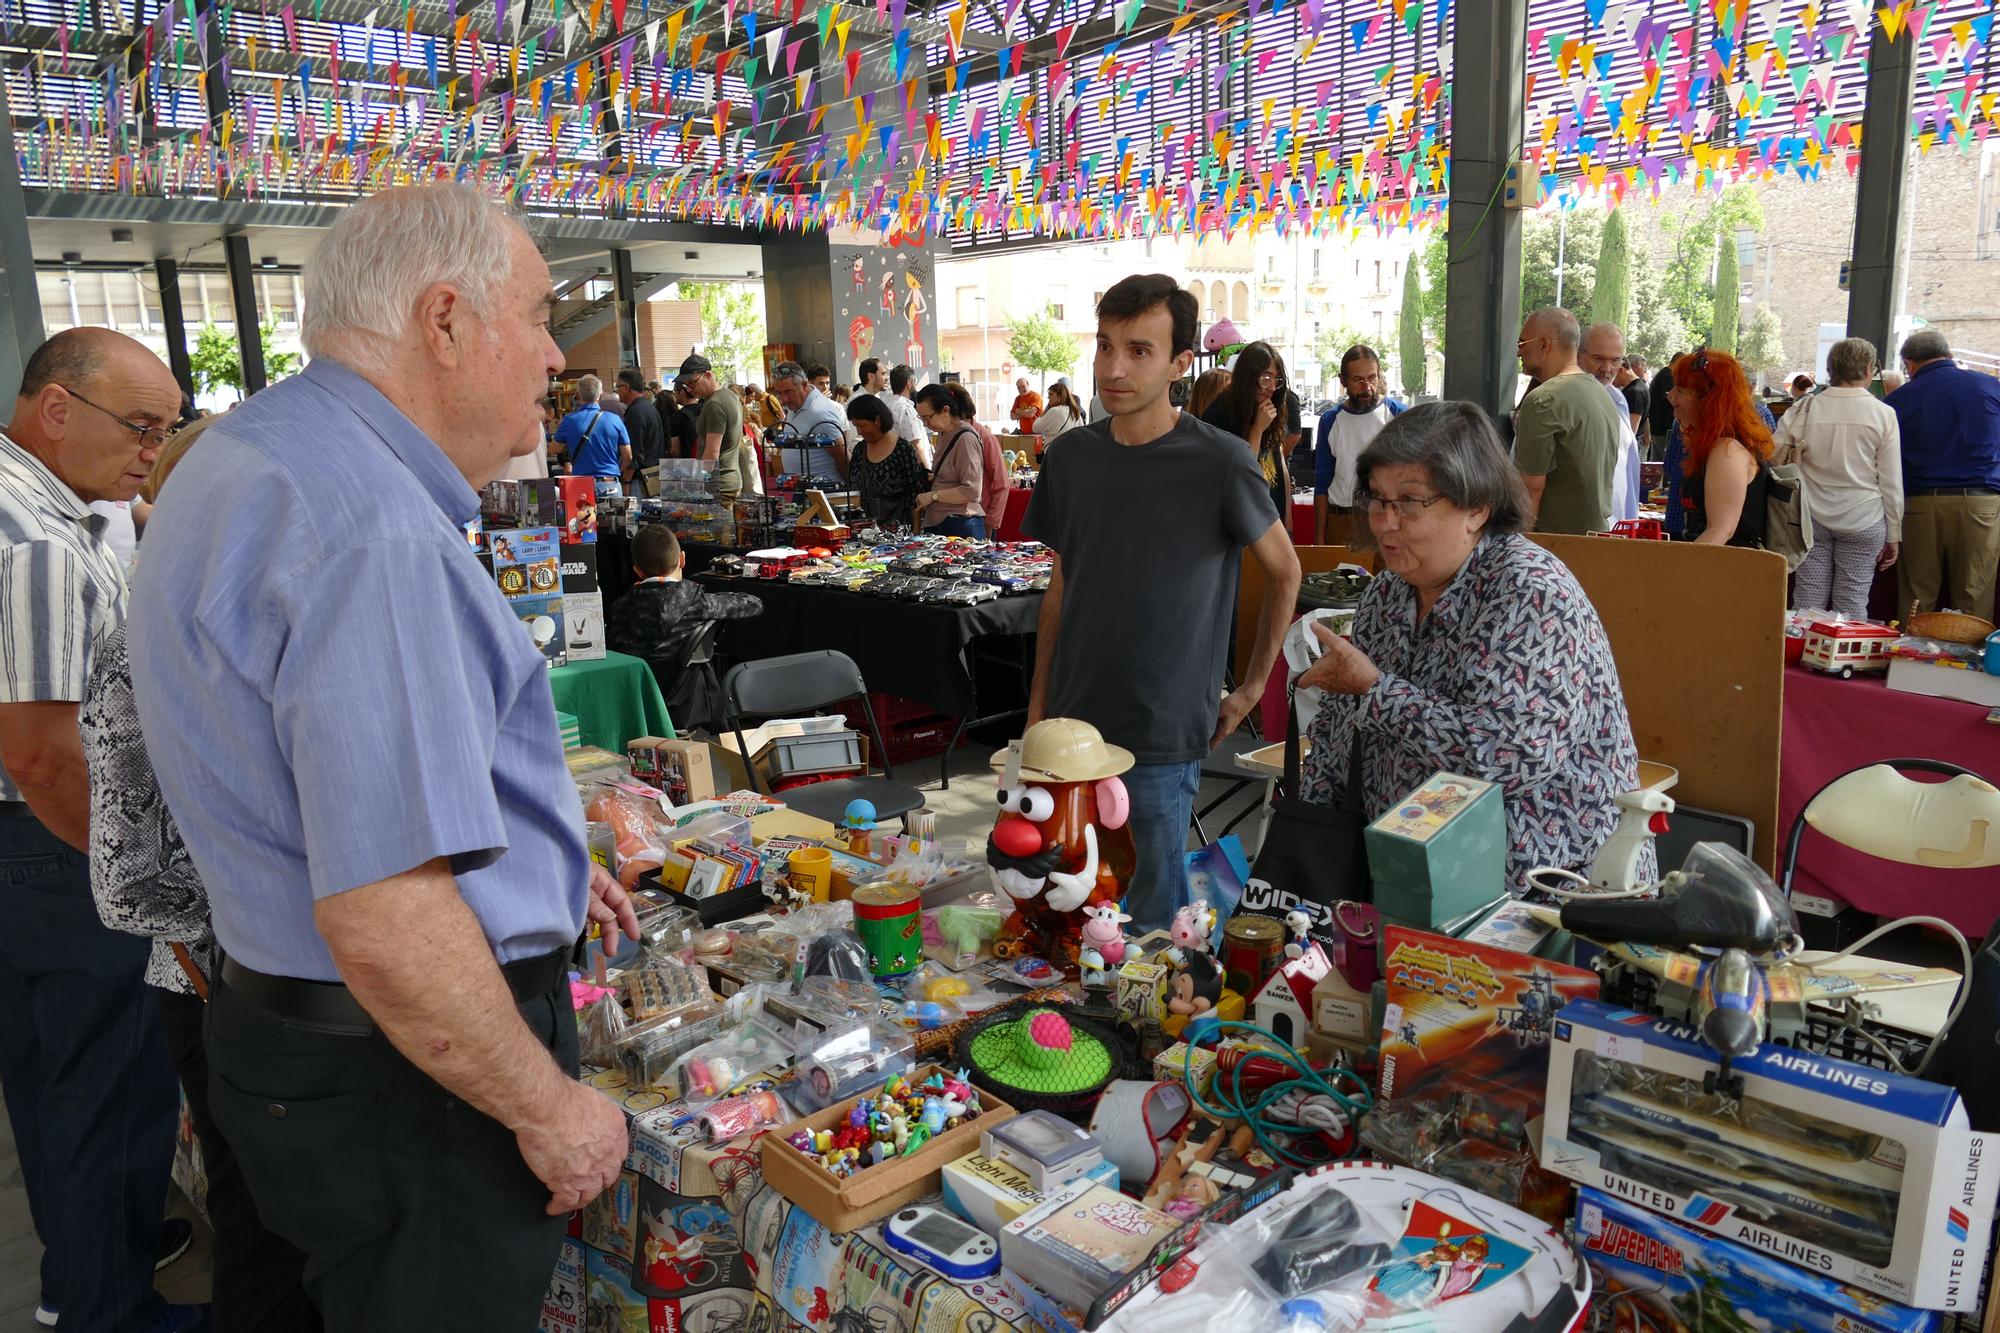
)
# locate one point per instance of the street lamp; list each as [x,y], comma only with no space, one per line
[985,347]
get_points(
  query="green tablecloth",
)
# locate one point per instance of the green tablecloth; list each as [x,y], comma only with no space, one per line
[614,699]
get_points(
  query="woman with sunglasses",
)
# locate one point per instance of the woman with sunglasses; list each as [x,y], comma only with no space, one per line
[1728,447]
[1475,651]
[1260,410]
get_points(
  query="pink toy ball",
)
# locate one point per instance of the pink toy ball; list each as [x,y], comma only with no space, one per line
[1048,1039]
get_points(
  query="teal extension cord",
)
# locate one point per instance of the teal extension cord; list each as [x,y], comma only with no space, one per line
[1236,1106]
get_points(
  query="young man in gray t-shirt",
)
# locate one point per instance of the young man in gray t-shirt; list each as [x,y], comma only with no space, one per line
[1148,513]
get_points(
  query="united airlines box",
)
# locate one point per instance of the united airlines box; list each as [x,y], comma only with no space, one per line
[1861,1176]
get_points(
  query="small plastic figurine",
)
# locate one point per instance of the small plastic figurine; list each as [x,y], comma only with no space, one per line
[1197,987]
[1191,930]
[1300,924]
[1103,937]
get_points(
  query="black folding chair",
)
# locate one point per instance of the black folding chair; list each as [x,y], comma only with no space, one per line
[803,683]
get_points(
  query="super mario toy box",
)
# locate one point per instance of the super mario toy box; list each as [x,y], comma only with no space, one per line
[1862,1176]
[1649,1273]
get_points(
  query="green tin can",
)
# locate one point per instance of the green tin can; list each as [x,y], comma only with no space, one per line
[889,920]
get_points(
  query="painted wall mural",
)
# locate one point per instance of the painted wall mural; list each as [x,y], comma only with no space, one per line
[882,298]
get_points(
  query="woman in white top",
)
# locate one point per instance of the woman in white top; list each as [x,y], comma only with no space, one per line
[1060,415]
[1850,454]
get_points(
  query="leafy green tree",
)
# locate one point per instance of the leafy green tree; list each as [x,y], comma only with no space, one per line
[732,321]
[1611,296]
[1039,344]
[1436,263]
[1728,298]
[217,363]
[1657,332]
[1413,364]
[1548,239]
[1329,347]
[1688,281]
[1762,346]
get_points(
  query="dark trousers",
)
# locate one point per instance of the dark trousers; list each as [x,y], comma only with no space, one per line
[258,1286]
[89,1091]
[414,1210]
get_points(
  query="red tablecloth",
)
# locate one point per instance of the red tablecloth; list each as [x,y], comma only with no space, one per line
[1302,524]
[1009,527]
[1832,725]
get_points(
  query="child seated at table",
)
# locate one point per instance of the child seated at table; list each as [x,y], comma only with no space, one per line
[662,613]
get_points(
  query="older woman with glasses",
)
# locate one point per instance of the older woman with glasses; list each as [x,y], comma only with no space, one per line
[1474,652]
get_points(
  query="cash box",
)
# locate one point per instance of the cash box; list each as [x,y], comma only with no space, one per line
[1862,1176]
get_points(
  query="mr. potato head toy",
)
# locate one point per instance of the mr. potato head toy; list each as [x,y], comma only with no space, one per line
[1063,841]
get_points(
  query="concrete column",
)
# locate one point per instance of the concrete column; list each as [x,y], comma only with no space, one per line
[243,302]
[20,293]
[1483,302]
[1878,193]
[625,301]
[173,323]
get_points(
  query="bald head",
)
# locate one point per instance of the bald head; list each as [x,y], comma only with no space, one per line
[1549,339]
[95,407]
[1603,351]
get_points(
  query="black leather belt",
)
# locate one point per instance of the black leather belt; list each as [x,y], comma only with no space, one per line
[1953,490]
[329,1004]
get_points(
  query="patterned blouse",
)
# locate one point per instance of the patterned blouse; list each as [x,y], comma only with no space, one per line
[1510,679]
[140,872]
[889,489]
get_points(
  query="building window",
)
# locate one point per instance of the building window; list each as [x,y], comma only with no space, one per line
[1378,275]
[1056,311]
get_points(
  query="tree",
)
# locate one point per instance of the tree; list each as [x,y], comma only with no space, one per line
[1688,282]
[217,363]
[1568,239]
[732,321]
[1728,297]
[1611,296]
[1330,346]
[1410,351]
[1039,344]
[1437,268]
[1763,344]
[1657,332]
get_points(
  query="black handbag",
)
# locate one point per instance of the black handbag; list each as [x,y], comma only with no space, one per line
[1313,855]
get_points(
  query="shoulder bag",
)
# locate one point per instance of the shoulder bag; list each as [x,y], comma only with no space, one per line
[1788,526]
[1313,853]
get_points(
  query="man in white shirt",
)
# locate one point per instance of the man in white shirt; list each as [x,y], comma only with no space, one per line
[1603,355]
[1345,431]
[895,388]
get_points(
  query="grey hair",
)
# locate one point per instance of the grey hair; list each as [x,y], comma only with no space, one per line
[1925,345]
[788,370]
[1601,324]
[1850,361]
[589,389]
[1561,326]
[1457,445]
[362,283]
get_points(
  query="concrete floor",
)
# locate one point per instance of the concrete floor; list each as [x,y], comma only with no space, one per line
[965,811]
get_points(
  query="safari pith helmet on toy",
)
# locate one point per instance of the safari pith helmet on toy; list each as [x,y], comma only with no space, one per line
[1062,749]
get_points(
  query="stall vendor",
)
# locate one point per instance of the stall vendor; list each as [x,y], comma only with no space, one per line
[1474,651]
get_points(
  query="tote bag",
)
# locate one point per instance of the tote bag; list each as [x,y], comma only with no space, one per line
[1313,852]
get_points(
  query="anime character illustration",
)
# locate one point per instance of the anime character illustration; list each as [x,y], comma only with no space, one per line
[859,273]
[1414,1282]
[1467,1266]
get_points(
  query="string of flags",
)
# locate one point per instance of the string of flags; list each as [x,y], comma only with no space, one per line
[1314,115]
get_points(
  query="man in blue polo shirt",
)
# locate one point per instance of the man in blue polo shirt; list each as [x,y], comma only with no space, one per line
[1950,423]
[596,439]
[358,741]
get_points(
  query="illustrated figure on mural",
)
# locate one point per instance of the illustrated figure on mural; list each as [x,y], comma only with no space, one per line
[889,293]
[914,309]
[859,270]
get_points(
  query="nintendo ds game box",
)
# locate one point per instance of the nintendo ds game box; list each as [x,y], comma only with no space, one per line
[1862,1176]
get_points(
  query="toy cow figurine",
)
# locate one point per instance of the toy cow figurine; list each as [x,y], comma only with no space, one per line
[1063,841]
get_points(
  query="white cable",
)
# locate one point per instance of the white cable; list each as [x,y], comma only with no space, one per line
[1587,891]
[1959,998]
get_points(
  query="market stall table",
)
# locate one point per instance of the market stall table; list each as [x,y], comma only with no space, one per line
[1017,511]
[1833,725]
[613,699]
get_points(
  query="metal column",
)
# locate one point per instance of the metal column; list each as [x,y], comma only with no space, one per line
[1878,193]
[243,302]
[626,301]
[20,292]
[173,323]
[1483,294]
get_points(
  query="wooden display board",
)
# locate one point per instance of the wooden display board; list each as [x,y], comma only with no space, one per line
[1250,595]
[1698,636]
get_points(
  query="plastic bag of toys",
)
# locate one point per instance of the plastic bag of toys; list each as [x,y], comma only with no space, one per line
[601,1026]
[637,840]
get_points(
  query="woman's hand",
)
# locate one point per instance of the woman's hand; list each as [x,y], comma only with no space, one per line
[1341,669]
[1267,412]
[1890,550]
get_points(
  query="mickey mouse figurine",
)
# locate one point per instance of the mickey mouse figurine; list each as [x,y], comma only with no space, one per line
[1197,987]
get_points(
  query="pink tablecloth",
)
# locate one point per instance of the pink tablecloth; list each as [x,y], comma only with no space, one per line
[1833,725]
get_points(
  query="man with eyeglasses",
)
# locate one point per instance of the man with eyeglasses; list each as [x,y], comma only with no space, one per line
[90,1090]
[1565,431]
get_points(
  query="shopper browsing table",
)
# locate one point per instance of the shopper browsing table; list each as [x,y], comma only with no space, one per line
[1727,449]
[1135,626]
[1027,408]
[953,506]
[884,468]
[361,750]
[90,1092]
[719,429]
[1566,431]
[1344,431]
[1474,652]
[1849,453]
[1261,411]
[1949,423]
[821,445]
[642,425]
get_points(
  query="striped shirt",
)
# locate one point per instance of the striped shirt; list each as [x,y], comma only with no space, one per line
[61,589]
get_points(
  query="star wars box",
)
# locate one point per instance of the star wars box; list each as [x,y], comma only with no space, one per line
[542,618]
[1862,1176]
[583,626]
[579,566]
[526,562]
[1648,1272]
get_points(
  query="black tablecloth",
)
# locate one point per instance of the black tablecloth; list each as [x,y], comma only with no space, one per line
[912,649]
[614,561]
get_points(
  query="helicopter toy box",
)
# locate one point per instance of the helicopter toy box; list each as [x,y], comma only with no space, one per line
[1866,1177]
[1650,1273]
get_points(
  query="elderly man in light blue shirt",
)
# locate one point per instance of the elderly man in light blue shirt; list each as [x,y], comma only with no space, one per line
[819,449]
[359,744]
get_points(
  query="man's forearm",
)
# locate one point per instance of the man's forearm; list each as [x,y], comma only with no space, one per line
[415,957]
[1535,486]
[711,448]
[1319,518]
[42,752]
[1281,599]
[1048,627]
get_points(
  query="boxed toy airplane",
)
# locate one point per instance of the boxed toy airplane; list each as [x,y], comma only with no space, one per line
[1652,1273]
[1863,1176]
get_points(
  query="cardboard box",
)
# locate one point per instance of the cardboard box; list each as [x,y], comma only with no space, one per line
[562,1304]
[583,626]
[1650,1272]
[540,503]
[610,1221]
[680,768]
[542,619]
[876,1191]
[1867,1177]
[1172,1066]
[526,562]
[1440,852]
[577,511]
[1944,682]
[580,573]
[991,1194]
[1140,991]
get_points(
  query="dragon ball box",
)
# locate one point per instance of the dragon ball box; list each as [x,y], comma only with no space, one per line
[1862,1176]
[527,562]
[1651,1275]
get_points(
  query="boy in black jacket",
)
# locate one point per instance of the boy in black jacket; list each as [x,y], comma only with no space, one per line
[658,617]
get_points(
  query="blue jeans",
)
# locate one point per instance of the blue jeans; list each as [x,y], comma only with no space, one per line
[1162,808]
[89,1086]
[959,525]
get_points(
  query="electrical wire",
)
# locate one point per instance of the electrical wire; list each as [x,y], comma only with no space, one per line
[1587,890]
[1959,998]
[1311,1082]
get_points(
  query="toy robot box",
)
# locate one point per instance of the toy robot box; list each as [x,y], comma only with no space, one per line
[1864,1177]
[1652,1274]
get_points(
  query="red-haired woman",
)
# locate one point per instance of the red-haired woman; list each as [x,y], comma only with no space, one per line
[1728,447]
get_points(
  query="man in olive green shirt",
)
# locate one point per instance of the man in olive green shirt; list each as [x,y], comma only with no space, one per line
[719,428]
[1566,435]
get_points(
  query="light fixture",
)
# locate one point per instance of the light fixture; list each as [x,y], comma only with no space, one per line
[268,261]
[121,235]
[690,254]
[72,256]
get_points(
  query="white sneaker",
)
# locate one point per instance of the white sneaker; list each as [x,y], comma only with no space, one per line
[46,1317]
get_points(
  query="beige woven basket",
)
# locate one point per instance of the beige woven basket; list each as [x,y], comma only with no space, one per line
[1951,626]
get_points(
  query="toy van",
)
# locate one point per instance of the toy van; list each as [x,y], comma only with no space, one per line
[1843,647]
